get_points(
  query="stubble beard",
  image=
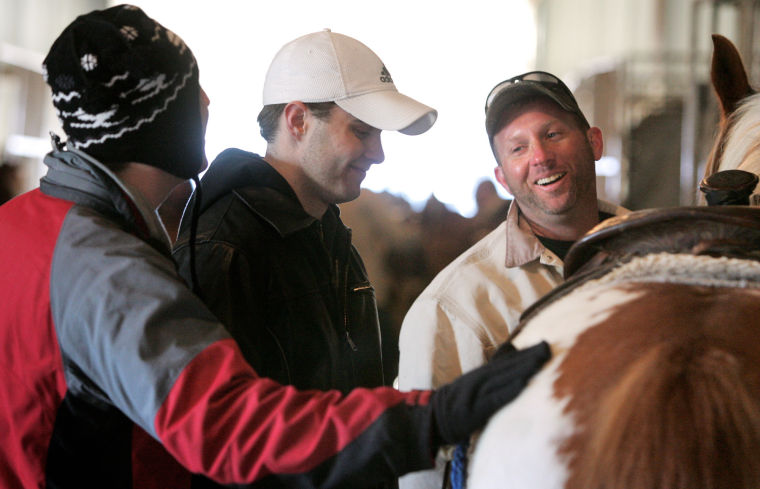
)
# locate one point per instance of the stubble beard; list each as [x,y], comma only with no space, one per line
[582,184]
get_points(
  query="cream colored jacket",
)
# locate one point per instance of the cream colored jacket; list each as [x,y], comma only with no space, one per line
[470,308]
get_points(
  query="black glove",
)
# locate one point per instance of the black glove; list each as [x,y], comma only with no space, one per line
[464,406]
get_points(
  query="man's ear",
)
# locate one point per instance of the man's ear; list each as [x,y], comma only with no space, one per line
[594,135]
[499,174]
[295,119]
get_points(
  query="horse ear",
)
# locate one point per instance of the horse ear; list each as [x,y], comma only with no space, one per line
[729,77]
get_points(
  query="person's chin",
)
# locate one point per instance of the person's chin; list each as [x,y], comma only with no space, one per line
[557,205]
[353,184]
[349,194]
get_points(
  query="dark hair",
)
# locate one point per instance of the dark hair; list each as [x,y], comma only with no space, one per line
[270,115]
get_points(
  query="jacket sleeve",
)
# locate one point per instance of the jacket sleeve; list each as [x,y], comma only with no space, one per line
[253,428]
[134,336]
[228,289]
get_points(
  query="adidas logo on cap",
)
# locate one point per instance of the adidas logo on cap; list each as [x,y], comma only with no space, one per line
[385,76]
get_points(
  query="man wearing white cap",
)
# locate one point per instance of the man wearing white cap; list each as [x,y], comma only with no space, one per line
[274,261]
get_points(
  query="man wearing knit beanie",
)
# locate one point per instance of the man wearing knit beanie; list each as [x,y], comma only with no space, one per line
[126,89]
[116,374]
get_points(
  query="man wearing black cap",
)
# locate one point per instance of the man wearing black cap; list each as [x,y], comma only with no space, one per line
[115,374]
[545,151]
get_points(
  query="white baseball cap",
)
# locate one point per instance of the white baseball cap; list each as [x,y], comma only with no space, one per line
[330,67]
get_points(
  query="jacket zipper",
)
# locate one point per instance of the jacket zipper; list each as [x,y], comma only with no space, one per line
[345,309]
[345,295]
[338,285]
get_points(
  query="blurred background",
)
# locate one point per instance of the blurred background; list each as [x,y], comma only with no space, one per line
[639,69]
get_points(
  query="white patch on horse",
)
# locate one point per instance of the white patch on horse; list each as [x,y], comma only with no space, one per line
[534,425]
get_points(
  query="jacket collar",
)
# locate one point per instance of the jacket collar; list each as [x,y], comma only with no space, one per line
[260,187]
[522,244]
[77,177]
[524,247]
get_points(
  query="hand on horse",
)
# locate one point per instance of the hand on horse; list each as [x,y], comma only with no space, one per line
[465,404]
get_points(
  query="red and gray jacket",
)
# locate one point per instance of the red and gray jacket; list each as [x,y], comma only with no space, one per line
[110,362]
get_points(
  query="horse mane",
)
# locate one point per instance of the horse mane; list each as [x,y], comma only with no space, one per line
[741,143]
[692,398]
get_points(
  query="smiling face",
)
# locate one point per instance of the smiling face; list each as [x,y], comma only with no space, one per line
[546,161]
[339,150]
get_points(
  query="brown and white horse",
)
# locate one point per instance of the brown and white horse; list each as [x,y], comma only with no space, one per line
[737,145]
[655,378]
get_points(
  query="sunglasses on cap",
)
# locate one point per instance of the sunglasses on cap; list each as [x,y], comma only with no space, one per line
[546,80]
[529,84]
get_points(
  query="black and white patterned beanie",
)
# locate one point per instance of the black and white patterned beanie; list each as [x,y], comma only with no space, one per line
[126,90]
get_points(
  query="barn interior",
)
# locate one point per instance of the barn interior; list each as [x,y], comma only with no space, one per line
[639,69]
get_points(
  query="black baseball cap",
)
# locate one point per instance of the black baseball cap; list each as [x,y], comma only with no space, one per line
[528,85]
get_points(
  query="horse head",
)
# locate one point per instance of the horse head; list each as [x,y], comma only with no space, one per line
[737,144]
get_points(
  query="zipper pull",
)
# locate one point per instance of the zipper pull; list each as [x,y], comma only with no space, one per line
[351,342]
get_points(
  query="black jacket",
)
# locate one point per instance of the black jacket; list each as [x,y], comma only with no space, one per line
[291,289]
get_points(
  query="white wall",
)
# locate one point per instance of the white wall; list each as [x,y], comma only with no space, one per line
[446,54]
